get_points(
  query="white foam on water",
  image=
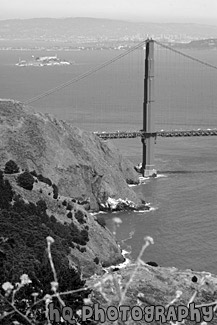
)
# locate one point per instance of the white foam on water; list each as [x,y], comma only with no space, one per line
[161,175]
[142,180]
[125,263]
[153,209]
[150,210]
[96,213]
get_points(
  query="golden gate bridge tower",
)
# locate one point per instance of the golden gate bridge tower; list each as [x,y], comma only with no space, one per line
[148,113]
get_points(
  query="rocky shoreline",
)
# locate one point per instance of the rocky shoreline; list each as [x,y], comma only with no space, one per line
[112,205]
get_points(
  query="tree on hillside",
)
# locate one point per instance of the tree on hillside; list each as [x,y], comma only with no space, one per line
[11,167]
[25,180]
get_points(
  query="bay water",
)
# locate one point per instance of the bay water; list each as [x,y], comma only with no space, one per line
[183,221]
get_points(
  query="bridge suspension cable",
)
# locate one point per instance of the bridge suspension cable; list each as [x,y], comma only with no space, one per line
[185,95]
[84,75]
[186,55]
[108,96]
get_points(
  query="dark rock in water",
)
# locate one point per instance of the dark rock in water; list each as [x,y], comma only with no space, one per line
[152,264]
[194,279]
[142,207]
[138,168]
[131,181]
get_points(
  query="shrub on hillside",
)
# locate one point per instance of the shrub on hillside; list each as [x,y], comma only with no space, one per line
[96,260]
[41,207]
[79,240]
[20,206]
[79,215]
[45,180]
[55,191]
[6,192]
[84,234]
[53,219]
[78,237]
[33,173]
[24,228]
[69,207]
[25,253]
[11,167]
[82,249]
[25,180]
[69,215]
[64,203]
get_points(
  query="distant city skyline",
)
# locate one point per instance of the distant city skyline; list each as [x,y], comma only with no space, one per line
[157,11]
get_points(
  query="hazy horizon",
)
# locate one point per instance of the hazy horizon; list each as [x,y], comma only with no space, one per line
[167,11]
[115,19]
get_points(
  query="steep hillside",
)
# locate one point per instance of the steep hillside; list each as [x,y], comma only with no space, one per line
[82,166]
[33,203]
[33,216]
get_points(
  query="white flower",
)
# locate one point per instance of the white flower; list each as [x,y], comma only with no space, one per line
[178,293]
[54,286]
[87,301]
[7,286]
[149,239]
[50,239]
[78,312]
[47,298]
[25,279]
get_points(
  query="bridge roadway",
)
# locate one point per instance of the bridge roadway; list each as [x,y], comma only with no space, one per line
[164,134]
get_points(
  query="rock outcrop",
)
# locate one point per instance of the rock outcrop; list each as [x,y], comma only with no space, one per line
[156,286]
[78,162]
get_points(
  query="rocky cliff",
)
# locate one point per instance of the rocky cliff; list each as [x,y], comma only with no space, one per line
[80,164]
[68,167]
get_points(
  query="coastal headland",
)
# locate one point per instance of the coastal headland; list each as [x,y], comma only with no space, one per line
[52,176]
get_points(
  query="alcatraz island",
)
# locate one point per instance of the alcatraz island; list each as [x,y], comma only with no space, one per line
[41,61]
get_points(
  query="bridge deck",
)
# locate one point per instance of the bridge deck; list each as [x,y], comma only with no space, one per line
[164,134]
